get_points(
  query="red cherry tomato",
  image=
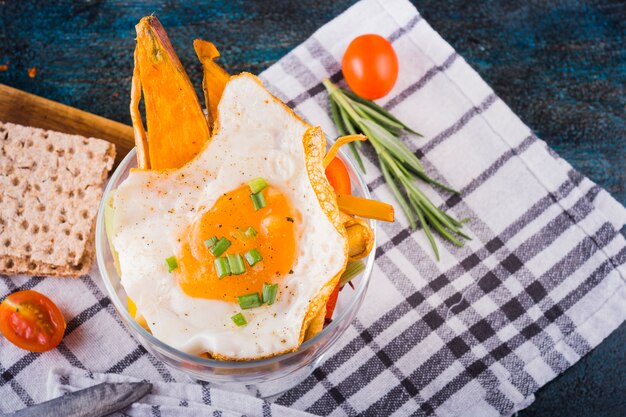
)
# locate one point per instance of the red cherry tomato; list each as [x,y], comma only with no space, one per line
[338,176]
[31,321]
[370,66]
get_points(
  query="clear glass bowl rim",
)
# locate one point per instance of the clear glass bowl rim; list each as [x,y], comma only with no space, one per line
[205,362]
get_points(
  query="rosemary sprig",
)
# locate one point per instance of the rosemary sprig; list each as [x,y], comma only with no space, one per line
[400,167]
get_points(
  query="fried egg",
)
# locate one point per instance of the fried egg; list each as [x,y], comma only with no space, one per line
[163,213]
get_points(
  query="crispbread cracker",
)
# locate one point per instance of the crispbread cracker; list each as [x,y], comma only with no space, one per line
[50,187]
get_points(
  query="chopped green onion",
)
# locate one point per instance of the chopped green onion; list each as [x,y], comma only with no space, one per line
[211,242]
[238,234]
[239,320]
[220,247]
[249,301]
[253,256]
[269,293]
[257,184]
[244,236]
[222,267]
[172,264]
[258,200]
[235,261]
[352,270]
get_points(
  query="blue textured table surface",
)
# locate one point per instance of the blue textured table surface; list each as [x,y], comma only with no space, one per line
[561,66]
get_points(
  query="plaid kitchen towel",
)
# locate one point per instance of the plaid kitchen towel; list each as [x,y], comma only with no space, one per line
[540,284]
[171,399]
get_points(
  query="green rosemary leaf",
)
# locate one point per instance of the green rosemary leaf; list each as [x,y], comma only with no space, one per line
[351,130]
[463,235]
[426,228]
[358,110]
[442,217]
[432,220]
[408,169]
[377,133]
[396,192]
[408,129]
[370,104]
[357,157]
[379,117]
[347,122]
[334,114]
[381,110]
[454,221]
[344,127]
[430,180]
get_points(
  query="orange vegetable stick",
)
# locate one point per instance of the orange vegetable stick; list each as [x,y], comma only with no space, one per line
[215,77]
[370,209]
[177,128]
[332,152]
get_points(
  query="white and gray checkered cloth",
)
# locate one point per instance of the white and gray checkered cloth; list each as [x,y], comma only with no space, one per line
[476,334]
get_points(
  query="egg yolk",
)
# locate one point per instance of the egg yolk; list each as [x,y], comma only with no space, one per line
[276,225]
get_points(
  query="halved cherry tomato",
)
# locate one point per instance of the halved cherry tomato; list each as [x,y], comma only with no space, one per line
[338,176]
[31,321]
[370,66]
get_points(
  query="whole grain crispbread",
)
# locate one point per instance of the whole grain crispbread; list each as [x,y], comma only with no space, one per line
[50,187]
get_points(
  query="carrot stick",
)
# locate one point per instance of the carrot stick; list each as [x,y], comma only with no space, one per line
[370,209]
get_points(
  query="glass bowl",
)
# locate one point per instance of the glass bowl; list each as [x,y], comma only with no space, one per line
[263,377]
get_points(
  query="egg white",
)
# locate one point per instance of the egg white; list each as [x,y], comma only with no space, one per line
[257,137]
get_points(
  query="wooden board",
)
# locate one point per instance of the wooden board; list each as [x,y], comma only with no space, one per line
[17,106]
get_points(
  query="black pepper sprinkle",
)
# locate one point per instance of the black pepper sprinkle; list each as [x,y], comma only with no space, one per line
[290,219]
[291,271]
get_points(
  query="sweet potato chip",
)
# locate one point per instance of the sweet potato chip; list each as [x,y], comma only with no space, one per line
[215,77]
[177,127]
